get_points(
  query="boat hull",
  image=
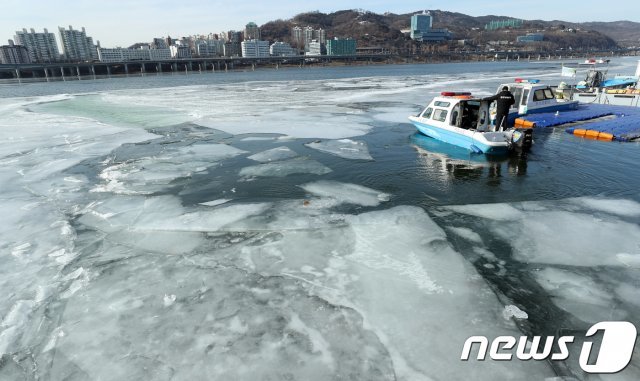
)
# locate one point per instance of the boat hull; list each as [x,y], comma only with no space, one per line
[461,140]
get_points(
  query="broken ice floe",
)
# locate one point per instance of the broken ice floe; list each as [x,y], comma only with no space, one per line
[148,175]
[583,252]
[275,154]
[346,193]
[345,148]
[285,168]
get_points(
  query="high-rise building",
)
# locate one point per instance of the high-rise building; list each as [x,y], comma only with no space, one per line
[307,34]
[251,31]
[255,48]
[42,47]
[320,35]
[297,37]
[341,47]
[76,46]
[14,54]
[420,23]
[421,29]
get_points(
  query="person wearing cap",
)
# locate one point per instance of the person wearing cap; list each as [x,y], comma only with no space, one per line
[504,99]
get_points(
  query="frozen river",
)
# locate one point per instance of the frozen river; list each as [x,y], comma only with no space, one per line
[290,225]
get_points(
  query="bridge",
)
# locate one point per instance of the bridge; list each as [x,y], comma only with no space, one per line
[46,72]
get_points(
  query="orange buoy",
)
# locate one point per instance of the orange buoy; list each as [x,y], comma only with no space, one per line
[605,136]
[579,132]
[592,134]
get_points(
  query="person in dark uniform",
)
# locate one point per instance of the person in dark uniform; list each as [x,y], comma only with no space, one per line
[504,99]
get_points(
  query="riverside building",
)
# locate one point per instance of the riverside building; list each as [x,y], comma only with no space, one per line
[341,47]
[42,47]
[141,54]
[14,54]
[255,48]
[281,49]
[77,46]
[421,29]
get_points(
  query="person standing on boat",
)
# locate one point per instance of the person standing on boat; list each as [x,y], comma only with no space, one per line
[504,99]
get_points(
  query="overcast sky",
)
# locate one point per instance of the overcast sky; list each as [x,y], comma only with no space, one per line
[123,23]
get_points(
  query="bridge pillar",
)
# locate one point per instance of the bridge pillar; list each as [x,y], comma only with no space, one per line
[108,71]
[93,71]
[78,72]
[174,68]
[126,70]
[62,73]
[17,71]
[46,74]
[142,69]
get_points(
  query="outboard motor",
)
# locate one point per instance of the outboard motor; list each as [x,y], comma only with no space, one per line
[522,139]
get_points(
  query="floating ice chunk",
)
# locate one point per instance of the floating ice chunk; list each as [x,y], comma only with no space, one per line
[466,233]
[256,138]
[405,267]
[285,168]
[628,293]
[515,312]
[56,335]
[625,208]
[275,154]
[150,174]
[168,300]
[579,295]
[217,202]
[346,193]
[571,238]
[318,343]
[19,250]
[630,260]
[345,148]
[499,212]
[559,232]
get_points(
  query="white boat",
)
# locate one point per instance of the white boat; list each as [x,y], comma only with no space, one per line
[532,97]
[596,88]
[459,119]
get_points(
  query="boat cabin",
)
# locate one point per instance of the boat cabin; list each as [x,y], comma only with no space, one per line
[531,96]
[458,109]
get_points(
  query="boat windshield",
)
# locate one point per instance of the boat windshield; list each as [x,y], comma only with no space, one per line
[542,94]
[440,115]
[427,113]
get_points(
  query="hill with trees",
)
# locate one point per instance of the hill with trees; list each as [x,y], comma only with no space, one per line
[389,30]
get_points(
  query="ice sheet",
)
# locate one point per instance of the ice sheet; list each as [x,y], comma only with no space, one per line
[346,193]
[345,148]
[285,168]
[274,154]
[148,175]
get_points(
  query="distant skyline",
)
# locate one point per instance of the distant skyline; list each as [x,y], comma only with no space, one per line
[123,23]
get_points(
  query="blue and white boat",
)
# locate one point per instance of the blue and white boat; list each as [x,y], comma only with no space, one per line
[533,97]
[459,119]
[596,88]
